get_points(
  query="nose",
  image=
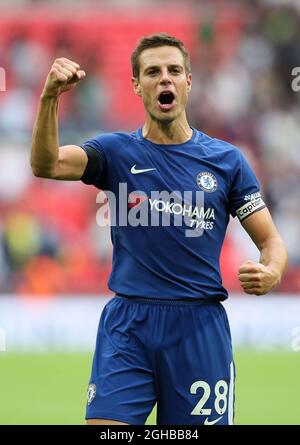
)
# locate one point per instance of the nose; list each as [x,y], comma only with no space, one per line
[165,77]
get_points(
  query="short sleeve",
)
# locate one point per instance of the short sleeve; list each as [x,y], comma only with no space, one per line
[244,196]
[96,169]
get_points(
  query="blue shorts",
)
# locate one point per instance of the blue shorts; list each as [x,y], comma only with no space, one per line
[173,353]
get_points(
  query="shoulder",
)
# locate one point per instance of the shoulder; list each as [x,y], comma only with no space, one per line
[107,140]
[222,154]
[112,143]
[219,146]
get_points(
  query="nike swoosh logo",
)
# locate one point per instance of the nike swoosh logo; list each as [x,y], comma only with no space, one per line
[212,422]
[135,171]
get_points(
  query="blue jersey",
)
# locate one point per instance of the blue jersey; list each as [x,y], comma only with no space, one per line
[170,208]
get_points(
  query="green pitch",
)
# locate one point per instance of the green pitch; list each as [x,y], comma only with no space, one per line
[51,389]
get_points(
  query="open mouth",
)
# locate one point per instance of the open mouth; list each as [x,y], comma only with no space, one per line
[166,98]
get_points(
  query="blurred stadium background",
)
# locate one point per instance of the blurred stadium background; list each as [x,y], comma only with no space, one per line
[54,258]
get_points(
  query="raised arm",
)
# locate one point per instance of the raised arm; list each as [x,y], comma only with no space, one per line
[48,160]
[260,278]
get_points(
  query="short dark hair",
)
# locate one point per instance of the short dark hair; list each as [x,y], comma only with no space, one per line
[155,41]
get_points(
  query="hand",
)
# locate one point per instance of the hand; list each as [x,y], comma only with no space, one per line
[257,279]
[63,76]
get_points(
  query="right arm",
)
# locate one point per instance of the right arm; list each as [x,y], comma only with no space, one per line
[48,160]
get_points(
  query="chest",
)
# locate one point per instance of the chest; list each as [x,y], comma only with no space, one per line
[197,179]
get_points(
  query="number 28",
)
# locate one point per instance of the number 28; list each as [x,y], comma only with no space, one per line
[221,391]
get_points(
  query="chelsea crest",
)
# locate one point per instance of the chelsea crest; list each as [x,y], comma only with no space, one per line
[207,182]
[91,393]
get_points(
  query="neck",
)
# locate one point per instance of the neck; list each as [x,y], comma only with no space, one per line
[176,132]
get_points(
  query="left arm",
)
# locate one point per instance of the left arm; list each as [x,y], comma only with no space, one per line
[260,278]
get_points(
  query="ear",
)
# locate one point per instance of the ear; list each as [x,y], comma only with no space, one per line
[136,86]
[189,82]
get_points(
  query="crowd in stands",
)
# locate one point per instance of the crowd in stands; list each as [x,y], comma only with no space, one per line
[242,53]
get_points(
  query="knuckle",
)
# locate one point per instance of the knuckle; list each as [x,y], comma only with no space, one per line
[57,67]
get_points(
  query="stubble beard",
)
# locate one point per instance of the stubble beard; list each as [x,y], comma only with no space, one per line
[162,119]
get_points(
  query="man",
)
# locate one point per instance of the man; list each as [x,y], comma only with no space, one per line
[164,337]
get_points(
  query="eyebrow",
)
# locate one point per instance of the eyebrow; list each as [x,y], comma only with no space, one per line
[155,67]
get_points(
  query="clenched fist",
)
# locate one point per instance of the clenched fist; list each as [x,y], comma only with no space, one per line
[255,278]
[63,76]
